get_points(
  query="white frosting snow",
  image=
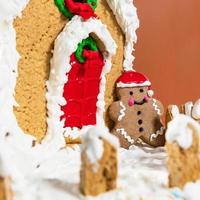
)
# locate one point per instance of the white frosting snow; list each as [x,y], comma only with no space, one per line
[142,173]
[196,110]
[66,44]
[179,131]
[126,15]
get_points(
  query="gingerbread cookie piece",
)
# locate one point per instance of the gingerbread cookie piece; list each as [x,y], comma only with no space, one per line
[183,150]
[2,189]
[136,114]
[99,168]
[189,109]
[5,190]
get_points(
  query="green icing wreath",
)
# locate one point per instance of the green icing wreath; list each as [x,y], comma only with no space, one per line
[89,42]
[62,8]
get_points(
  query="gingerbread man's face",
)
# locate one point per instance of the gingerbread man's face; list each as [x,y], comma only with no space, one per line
[133,95]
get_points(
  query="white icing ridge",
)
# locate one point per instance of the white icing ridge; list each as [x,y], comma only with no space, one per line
[125,135]
[122,111]
[178,130]
[175,111]
[66,44]
[196,110]
[93,143]
[156,107]
[123,85]
[158,132]
[126,15]
[188,108]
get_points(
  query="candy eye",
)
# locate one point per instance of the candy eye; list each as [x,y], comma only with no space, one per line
[141,90]
[131,93]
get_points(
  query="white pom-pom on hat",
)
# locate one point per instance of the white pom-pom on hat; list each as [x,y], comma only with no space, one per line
[150,93]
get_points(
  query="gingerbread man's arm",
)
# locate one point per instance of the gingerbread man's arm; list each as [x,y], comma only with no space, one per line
[114,111]
[158,106]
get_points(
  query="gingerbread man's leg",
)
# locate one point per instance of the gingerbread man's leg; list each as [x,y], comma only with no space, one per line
[120,134]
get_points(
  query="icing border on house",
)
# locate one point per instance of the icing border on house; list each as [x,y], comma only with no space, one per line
[66,44]
[126,15]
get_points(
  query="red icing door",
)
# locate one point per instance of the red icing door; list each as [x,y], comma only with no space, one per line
[82,89]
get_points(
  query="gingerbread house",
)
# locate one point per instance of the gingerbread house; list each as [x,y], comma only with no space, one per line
[43,41]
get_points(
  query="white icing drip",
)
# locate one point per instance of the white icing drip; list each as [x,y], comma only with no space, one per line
[93,144]
[122,111]
[158,132]
[126,15]
[125,135]
[66,44]
[179,131]
[174,111]
[196,110]
[188,108]
[156,107]
[123,85]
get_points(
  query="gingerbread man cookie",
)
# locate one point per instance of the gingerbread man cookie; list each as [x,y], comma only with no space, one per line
[136,114]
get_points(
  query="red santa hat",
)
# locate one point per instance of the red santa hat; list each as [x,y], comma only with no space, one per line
[134,79]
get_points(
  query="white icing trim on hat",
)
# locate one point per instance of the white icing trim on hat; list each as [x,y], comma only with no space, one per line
[66,44]
[126,15]
[123,85]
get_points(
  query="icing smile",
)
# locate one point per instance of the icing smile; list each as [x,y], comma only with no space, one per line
[132,101]
[141,102]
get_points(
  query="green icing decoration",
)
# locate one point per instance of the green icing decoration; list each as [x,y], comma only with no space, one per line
[92,3]
[89,42]
[62,8]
